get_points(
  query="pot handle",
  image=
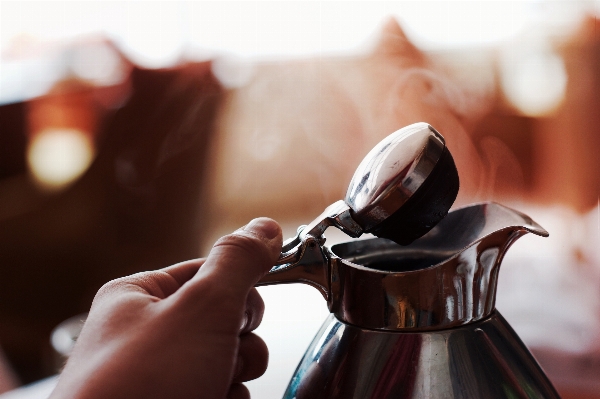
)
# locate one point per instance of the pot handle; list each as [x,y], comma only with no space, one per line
[302,260]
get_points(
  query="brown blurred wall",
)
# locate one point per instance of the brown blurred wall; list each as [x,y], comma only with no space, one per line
[138,207]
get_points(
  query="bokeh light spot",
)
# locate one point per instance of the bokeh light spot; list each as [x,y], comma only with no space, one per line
[57,157]
[535,82]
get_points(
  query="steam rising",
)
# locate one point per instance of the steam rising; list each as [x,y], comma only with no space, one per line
[292,135]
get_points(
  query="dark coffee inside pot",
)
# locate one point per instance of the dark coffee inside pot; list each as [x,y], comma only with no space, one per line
[403,263]
[386,255]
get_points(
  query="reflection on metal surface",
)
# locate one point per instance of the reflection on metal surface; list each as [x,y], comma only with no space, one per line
[484,359]
[392,172]
[445,279]
[308,268]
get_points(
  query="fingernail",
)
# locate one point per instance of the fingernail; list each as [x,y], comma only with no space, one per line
[239,367]
[263,227]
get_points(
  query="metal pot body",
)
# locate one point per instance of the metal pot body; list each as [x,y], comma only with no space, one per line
[483,359]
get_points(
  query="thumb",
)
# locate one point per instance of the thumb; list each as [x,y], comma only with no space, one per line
[238,261]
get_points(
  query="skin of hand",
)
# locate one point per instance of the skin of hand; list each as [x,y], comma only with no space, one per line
[179,332]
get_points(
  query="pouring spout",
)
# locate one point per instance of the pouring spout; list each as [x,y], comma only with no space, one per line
[480,225]
[500,216]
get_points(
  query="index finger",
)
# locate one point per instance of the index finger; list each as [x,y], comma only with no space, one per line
[184,271]
[159,283]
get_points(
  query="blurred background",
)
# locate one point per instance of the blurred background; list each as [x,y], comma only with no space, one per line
[134,134]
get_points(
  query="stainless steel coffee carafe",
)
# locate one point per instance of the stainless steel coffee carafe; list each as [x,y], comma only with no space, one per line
[416,320]
[419,321]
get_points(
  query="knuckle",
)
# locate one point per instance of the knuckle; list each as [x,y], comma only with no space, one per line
[116,286]
[110,288]
[107,294]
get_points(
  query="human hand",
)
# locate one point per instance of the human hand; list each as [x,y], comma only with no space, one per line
[179,332]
